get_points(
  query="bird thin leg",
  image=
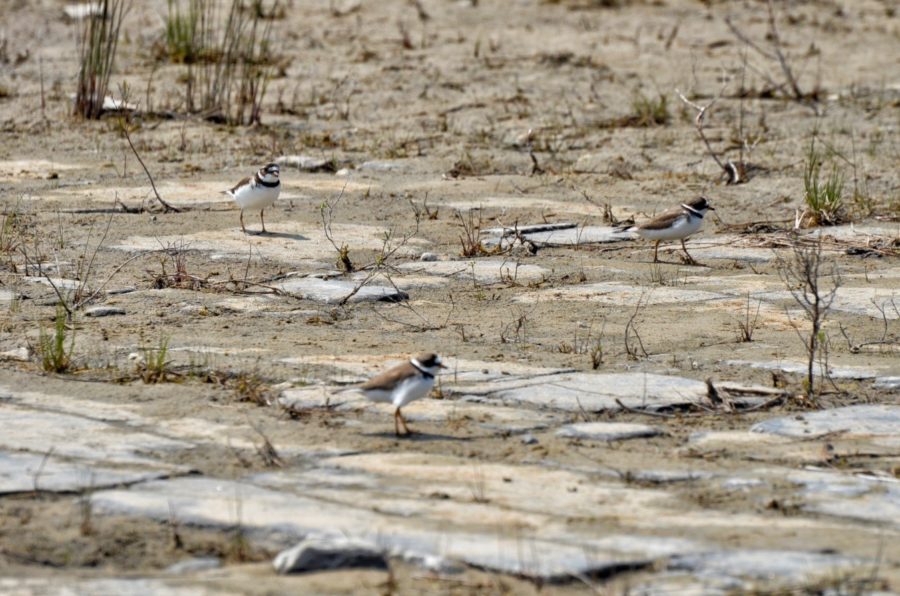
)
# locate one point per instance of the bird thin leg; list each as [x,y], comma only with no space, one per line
[656,252]
[396,422]
[690,258]
[243,229]
[262,220]
[398,416]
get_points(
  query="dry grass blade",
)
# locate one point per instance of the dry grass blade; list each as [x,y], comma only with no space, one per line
[228,59]
[97,44]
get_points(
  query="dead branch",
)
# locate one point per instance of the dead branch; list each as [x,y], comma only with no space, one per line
[732,171]
[166,206]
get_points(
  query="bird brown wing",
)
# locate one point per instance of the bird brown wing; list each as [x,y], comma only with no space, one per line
[663,221]
[390,378]
[234,188]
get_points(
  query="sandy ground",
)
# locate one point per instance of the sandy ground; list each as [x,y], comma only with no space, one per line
[431,131]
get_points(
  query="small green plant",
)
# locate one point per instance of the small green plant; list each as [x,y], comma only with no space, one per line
[647,111]
[183,43]
[824,200]
[229,60]
[470,239]
[55,356]
[155,365]
[248,387]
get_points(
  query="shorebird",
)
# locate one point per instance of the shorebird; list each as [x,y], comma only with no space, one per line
[676,224]
[257,192]
[402,384]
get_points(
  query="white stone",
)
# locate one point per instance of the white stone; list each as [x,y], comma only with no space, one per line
[607,431]
[20,354]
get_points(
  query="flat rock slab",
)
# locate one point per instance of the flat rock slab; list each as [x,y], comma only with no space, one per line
[618,294]
[858,232]
[13,170]
[60,282]
[870,499]
[524,202]
[890,383]
[274,517]
[861,420]
[869,301]
[798,367]
[787,566]
[333,291]
[607,431]
[286,242]
[756,446]
[40,431]
[564,236]
[69,586]
[481,270]
[24,472]
[576,392]
[725,249]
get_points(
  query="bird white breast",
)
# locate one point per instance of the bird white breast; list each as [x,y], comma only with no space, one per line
[405,391]
[255,196]
[682,227]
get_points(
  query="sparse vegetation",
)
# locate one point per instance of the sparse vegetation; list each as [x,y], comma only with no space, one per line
[248,387]
[813,281]
[98,41]
[55,355]
[228,57]
[823,199]
[649,111]
[154,366]
[747,326]
[470,239]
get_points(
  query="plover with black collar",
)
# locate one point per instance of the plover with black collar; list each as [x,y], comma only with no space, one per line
[257,192]
[402,384]
[676,224]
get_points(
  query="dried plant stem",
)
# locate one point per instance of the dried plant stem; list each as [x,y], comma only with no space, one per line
[166,206]
[97,44]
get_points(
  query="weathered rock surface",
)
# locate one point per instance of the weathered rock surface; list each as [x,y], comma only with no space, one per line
[23,472]
[575,392]
[861,420]
[332,291]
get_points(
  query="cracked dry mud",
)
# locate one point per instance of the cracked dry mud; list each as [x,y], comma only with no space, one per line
[551,458]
